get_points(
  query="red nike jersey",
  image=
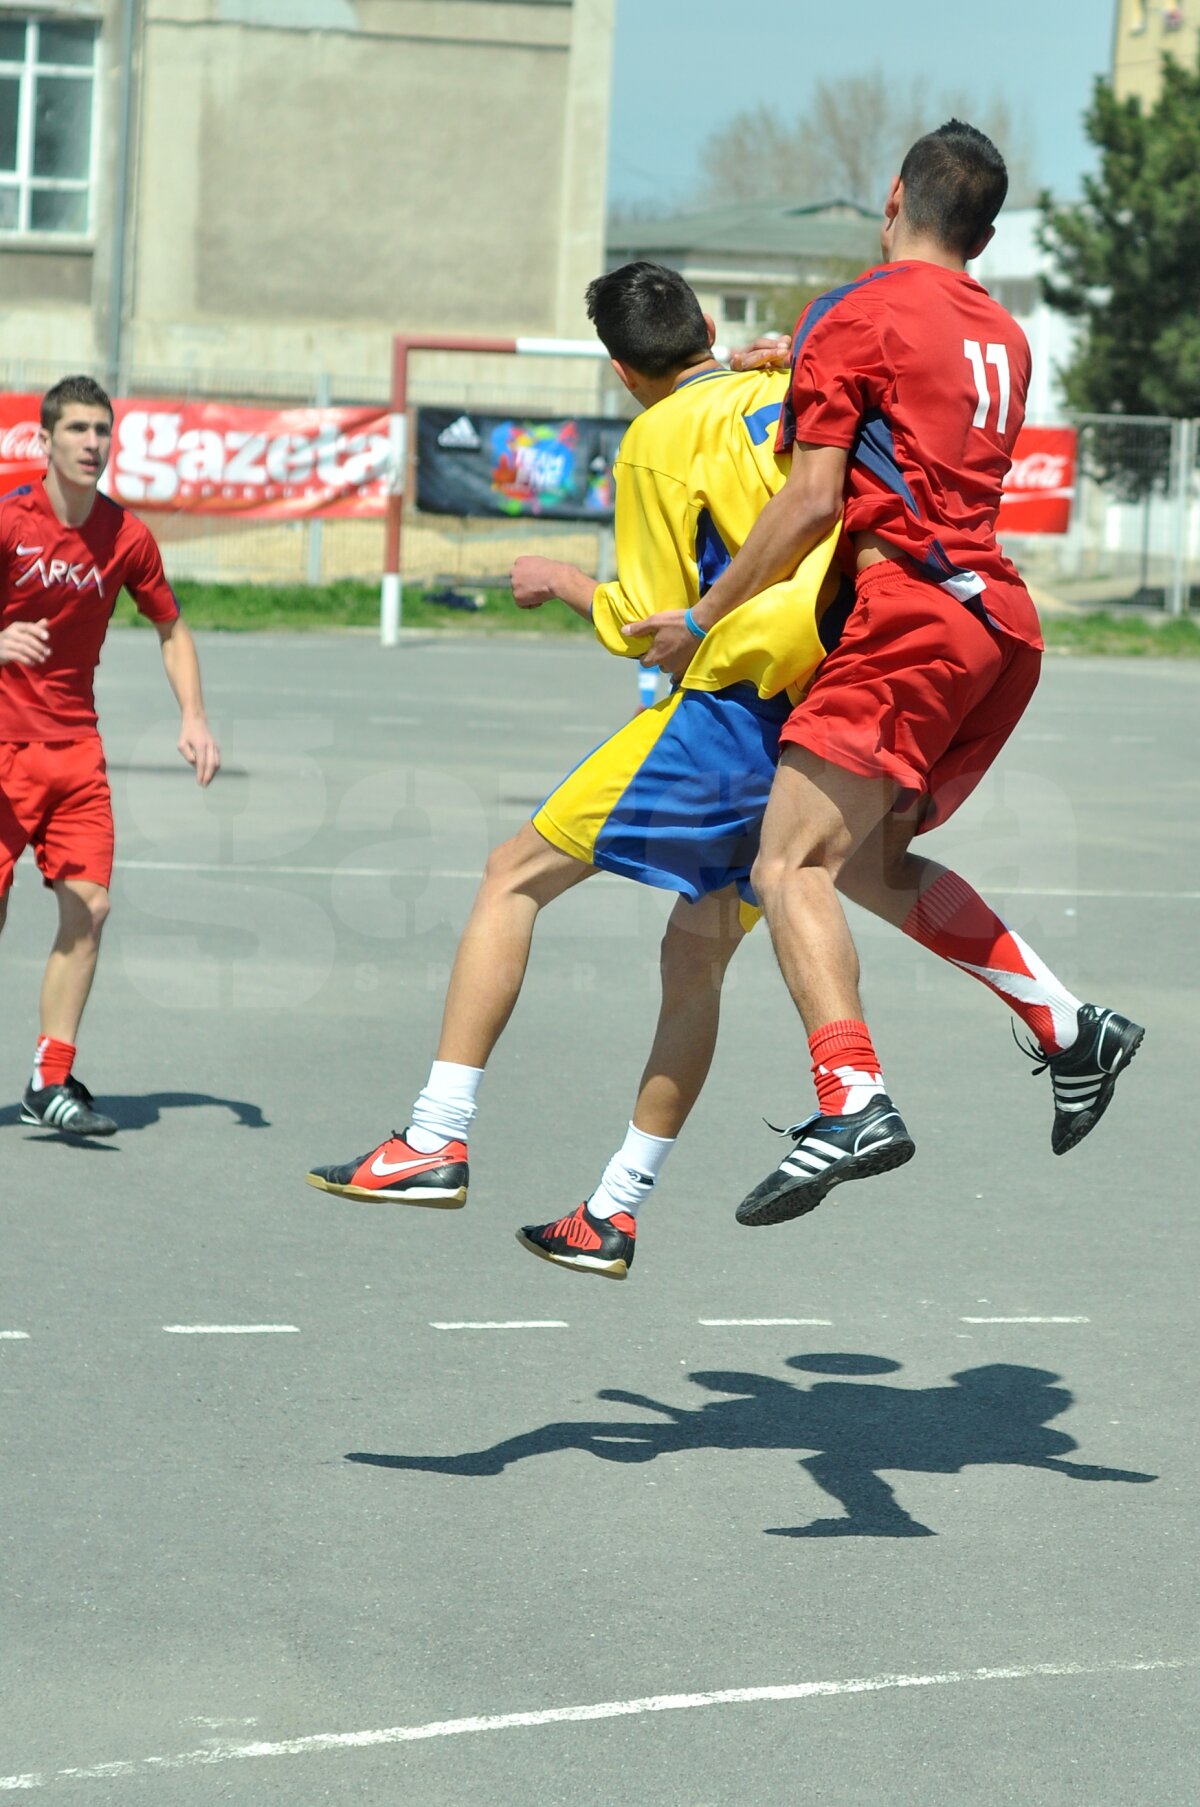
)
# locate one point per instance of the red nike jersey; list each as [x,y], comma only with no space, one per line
[69,577]
[922,377]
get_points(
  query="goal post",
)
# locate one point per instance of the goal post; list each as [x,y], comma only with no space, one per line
[404,345]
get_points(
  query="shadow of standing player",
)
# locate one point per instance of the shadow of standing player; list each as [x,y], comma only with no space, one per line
[988,1415]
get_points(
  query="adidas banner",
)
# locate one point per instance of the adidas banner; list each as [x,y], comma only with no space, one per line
[501,464]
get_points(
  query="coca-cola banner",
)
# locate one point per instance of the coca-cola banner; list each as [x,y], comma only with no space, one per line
[500,464]
[1039,487]
[219,459]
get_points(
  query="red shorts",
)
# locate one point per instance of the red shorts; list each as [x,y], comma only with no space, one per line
[54,797]
[918,689]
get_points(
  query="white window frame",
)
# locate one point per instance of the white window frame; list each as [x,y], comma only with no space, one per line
[23,178]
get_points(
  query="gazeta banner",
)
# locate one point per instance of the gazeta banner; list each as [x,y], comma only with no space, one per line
[218,458]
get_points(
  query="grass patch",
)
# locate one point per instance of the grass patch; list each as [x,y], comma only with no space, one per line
[233,608]
[241,608]
[1132,636]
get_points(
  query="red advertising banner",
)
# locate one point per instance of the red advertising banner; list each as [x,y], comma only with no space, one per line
[218,459]
[1039,487]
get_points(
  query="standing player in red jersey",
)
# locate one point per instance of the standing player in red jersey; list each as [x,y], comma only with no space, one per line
[908,390]
[65,553]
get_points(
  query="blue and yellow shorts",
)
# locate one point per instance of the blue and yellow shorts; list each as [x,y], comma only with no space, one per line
[676,797]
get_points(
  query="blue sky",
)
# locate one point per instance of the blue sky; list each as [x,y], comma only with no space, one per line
[682,68]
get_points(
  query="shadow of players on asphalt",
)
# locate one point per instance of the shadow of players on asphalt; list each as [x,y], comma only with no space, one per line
[138,1111]
[988,1415]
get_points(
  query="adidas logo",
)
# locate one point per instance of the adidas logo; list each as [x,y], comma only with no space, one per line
[460,436]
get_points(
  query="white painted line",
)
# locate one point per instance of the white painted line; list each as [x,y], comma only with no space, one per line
[14,1336]
[232,1329]
[754,1322]
[473,874]
[605,1709]
[1024,1320]
[512,1324]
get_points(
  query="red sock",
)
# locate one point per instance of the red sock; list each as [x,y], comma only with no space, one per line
[954,922]
[52,1062]
[845,1067]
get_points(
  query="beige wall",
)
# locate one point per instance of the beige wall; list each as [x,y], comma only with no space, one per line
[312,175]
[1140,39]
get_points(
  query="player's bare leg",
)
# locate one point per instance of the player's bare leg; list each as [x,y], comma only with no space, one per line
[817,817]
[426,1163]
[521,877]
[599,1236]
[55,1098]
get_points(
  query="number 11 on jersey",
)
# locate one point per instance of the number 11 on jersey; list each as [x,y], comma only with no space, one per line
[979,359]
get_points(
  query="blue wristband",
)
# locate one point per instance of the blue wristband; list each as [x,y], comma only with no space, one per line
[692,625]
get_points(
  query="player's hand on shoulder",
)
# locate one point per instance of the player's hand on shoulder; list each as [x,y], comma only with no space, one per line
[770,351]
[533,581]
[200,749]
[25,643]
[672,643]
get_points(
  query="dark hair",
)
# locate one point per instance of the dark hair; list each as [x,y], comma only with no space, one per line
[83,390]
[954,185]
[648,317]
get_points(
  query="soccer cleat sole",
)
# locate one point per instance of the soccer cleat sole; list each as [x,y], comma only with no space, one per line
[579,1264]
[793,1195]
[1080,1125]
[425,1196]
[64,1129]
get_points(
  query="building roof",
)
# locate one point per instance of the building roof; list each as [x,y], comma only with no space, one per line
[762,229]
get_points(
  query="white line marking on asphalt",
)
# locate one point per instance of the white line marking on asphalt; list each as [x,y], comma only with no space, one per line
[232,1329]
[471,876]
[755,1322]
[1024,1320]
[14,1336]
[605,1709]
[512,1324]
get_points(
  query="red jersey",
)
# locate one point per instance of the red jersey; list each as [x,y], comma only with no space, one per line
[922,377]
[70,577]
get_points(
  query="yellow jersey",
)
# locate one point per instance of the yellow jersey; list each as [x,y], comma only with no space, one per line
[693,473]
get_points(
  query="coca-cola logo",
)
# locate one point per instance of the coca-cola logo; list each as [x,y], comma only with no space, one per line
[22,443]
[1040,470]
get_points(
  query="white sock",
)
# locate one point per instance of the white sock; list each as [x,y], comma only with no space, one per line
[630,1176]
[445,1110]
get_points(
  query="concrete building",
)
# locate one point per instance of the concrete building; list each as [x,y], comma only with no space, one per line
[736,257]
[248,189]
[1144,31]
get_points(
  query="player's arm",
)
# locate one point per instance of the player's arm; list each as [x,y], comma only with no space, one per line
[182,666]
[538,580]
[794,521]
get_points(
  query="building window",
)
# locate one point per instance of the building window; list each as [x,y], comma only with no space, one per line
[47,109]
[738,310]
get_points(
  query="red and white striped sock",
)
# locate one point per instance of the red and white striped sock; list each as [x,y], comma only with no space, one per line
[52,1062]
[845,1067]
[954,922]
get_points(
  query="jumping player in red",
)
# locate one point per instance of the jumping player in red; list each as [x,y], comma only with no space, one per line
[65,553]
[908,390]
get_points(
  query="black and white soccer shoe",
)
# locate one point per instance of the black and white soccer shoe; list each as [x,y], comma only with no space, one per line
[68,1108]
[829,1150]
[1084,1076]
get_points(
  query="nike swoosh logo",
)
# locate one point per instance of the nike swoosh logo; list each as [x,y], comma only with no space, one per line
[22,551]
[383,1168]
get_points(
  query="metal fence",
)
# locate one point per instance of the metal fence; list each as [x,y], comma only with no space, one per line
[1134,537]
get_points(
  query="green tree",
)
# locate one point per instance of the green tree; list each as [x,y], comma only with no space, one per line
[1126,265]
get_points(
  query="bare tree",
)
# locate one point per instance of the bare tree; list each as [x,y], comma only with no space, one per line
[847,144]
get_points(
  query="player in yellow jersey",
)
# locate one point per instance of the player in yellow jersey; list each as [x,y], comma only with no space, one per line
[673,799]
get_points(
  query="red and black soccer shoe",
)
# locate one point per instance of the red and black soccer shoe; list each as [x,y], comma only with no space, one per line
[591,1245]
[397,1173]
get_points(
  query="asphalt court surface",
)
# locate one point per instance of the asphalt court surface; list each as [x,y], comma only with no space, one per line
[304,1501]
